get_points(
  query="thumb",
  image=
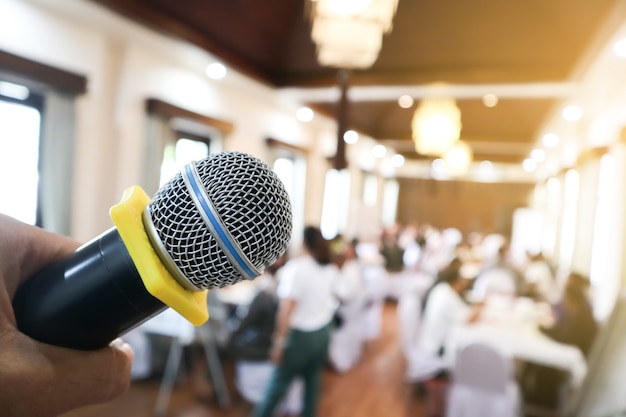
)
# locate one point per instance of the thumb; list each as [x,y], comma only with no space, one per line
[55,380]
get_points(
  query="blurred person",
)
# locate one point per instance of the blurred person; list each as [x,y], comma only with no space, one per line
[538,278]
[443,309]
[38,379]
[391,251]
[304,324]
[348,335]
[574,325]
[500,278]
[252,338]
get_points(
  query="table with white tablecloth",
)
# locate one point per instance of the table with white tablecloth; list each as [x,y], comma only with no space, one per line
[515,330]
[526,344]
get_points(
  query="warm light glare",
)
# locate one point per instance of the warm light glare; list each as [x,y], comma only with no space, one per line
[216,71]
[620,48]
[550,140]
[459,158]
[490,100]
[304,114]
[405,101]
[350,137]
[572,113]
[379,151]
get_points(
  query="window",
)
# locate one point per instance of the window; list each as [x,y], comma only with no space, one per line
[51,92]
[568,222]
[335,203]
[20,120]
[289,164]
[390,202]
[187,148]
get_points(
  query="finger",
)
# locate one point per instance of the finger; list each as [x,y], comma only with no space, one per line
[25,249]
[90,377]
[50,380]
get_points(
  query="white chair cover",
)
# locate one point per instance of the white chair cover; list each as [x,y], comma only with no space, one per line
[374,278]
[252,377]
[140,343]
[347,342]
[483,384]
[409,313]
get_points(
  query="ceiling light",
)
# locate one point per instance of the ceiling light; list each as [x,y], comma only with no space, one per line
[379,151]
[538,155]
[436,126]
[529,165]
[350,137]
[397,160]
[304,114]
[486,166]
[572,113]
[550,140]
[348,33]
[439,165]
[405,101]
[216,71]
[490,100]
[620,48]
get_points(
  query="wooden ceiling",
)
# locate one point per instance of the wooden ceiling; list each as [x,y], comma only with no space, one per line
[524,51]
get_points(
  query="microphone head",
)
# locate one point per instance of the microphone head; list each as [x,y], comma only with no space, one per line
[219,221]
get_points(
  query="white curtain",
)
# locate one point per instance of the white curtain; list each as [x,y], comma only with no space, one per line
[57,162]
[159,134]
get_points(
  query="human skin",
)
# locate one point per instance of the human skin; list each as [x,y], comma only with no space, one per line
[36,379]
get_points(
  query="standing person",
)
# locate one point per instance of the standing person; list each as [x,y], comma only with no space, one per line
[303,325]
[37,379]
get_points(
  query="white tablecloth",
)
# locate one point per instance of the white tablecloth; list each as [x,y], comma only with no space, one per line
[521,342]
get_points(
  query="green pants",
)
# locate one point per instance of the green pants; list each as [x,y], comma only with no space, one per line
[304,356]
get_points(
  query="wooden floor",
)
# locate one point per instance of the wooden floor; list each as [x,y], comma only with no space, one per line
[374,388]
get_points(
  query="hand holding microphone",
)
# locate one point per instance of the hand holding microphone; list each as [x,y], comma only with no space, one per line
[215,223]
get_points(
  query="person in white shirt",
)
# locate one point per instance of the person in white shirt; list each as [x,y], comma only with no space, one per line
[443,310]
[304,324]
[539,278]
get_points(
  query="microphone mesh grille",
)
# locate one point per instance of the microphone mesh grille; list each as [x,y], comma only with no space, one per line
[252,203]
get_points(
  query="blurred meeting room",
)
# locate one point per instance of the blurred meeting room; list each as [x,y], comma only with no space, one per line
[465,162]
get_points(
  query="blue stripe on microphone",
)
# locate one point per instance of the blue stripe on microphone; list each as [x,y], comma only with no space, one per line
[223,237]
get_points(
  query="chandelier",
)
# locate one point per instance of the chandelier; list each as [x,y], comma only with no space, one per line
[348,33]
[436,126]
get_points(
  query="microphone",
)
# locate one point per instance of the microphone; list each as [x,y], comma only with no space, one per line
[217,222]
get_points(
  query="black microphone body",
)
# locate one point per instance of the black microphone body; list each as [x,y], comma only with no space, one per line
[88,299]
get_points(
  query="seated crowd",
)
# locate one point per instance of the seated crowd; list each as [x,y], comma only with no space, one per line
[320,308]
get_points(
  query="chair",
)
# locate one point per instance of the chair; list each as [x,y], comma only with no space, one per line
[182,333]
[409,313]
[375,292]
[483,384]
[347,342]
